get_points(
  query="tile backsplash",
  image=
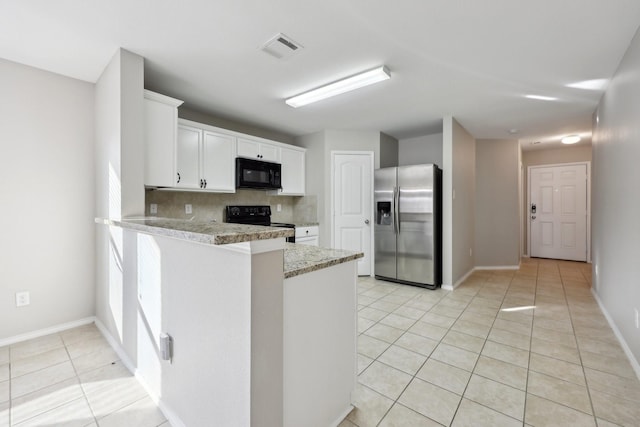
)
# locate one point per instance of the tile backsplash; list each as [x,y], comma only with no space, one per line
[210,206]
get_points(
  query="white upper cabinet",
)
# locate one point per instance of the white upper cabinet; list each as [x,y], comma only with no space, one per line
[205,159]
[188,155]
[293,171]
[218,165]
[160,133]
[188,174]
[258,150]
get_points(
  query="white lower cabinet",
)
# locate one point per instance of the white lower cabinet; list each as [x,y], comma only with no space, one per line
[205,160]
[307,235]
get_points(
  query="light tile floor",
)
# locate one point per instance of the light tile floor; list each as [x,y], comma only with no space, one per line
[73,378]
[506,348]
[481,355]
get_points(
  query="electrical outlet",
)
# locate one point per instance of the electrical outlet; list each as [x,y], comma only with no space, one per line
[279,207]
[470,252]
[153,209]
[188,209]
[22,299]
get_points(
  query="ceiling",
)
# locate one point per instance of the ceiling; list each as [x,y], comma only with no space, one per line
[474,60]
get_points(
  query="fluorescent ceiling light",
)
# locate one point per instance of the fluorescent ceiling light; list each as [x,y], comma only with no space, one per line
[571,139]
[541,98]
[596,84]
[341,86]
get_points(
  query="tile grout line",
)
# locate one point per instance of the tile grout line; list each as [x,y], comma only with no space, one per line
[573,329]
[479,355]
[395,401]
[533,320]
[84,395]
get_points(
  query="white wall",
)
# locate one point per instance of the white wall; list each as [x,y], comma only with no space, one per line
[47,175]
[388,151]
[119,191]
[497,228]
[615,204]
[420,150]
[458,201]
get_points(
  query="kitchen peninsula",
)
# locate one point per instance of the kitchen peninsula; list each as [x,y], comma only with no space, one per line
[264,332]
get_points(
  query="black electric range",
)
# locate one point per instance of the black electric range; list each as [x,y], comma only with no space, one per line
[255,215]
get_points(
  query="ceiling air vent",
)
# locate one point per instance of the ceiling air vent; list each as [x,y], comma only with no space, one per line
[281,46]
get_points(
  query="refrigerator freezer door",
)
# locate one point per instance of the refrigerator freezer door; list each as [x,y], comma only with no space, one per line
[385,222]
[415,255]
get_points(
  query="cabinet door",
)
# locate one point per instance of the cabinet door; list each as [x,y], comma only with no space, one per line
[161,116]
[293,171]
[188,157]
[218,165]
[269,153]
[248,148]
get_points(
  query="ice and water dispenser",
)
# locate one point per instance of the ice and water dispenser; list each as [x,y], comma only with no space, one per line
[383,215]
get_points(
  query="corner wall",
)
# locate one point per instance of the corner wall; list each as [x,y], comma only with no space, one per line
[119,192]
[497,228]
[615,203]
[47,175]
[458,202]
[420,150]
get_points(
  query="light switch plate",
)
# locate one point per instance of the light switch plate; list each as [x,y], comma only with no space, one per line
[153,208]
[188,209]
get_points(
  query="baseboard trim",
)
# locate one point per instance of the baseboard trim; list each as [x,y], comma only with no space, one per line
[46,331]
[623,343]
[342,417]
[462,279]
[479,268]
[497,267]
[168,413]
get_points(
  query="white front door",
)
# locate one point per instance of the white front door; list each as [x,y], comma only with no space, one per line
[558,212]
[352,204]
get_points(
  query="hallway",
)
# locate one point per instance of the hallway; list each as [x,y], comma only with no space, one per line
[505,348]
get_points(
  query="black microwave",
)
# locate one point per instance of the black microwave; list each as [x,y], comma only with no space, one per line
[252,173]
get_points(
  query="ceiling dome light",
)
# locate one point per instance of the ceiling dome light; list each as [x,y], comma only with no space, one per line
[571,139]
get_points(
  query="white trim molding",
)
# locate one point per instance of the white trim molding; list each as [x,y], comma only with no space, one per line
[447,287]
[497,267]
[46,331]
[634,362]
[168,413]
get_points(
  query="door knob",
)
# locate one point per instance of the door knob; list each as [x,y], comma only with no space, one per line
[366,221]
[533,217]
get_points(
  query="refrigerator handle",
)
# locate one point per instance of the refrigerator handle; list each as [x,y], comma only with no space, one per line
[394,213]
[398,210]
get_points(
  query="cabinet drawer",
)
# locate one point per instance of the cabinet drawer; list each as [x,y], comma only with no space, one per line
[310,231]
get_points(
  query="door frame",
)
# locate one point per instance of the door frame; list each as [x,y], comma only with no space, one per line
[370,154]
[527,211]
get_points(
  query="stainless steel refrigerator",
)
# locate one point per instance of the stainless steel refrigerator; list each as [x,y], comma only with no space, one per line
[408,225]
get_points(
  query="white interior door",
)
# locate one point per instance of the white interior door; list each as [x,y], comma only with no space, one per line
[352,204]
[558,212]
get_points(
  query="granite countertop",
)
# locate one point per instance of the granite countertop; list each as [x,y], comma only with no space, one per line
[301,259]
[213,233]
[306,224]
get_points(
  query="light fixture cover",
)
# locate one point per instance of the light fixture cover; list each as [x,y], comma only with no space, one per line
[541,98]
[571,139]
[341,86]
